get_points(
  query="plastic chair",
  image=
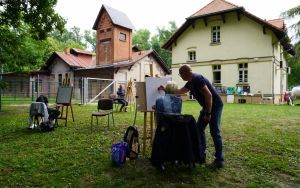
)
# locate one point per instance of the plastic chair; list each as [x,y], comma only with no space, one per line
[105,108]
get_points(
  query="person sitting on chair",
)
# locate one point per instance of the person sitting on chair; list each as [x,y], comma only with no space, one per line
[121,98]
[53,113]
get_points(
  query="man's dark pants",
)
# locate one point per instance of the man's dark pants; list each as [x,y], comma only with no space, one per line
[214,126]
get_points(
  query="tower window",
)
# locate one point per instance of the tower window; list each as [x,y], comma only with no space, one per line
[122,37]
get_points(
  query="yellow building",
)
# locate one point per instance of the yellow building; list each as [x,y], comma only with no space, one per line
[233,48]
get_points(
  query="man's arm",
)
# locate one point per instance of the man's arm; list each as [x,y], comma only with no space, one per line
[181,91]
[207,98]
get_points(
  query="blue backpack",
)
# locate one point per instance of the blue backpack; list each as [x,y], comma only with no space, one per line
[118,153]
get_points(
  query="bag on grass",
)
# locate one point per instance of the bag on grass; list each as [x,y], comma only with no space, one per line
[132,138]
[118,153]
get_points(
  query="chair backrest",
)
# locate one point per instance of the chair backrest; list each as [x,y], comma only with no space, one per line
[105,104]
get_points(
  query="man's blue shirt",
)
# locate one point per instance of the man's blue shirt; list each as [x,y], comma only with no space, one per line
[198,81]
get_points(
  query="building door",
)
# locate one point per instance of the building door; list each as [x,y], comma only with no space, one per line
[105,52]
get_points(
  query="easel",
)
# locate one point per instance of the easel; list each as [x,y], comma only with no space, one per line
[145,128]
[129,94]
[63,98]
[147,93]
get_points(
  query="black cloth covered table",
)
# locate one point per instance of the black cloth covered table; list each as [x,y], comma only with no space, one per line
[176,140]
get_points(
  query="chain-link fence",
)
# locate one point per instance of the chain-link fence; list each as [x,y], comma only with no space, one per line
[22,91]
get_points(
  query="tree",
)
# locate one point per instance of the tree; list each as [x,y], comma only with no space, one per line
[294,13]
[40,16]
[19,51]
[90,39]
[141,38]
[294,62]
[158,40]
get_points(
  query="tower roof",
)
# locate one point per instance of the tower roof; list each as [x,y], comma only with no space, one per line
[118,18]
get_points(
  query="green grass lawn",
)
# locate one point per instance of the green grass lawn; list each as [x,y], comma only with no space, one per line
[261,146]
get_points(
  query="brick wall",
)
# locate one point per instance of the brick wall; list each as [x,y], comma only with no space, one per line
[109,46]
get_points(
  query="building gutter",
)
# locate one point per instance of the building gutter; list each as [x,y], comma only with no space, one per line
[273,65]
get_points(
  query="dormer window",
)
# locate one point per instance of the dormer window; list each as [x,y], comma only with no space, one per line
[192,55]
[122,37]
[215,35]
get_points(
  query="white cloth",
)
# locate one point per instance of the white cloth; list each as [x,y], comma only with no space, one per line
[38,109]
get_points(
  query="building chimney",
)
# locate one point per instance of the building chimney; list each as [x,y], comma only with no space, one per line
[67,51]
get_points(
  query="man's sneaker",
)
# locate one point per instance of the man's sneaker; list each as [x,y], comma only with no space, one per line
[217,164]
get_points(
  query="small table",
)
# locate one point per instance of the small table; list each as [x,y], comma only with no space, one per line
[145,128]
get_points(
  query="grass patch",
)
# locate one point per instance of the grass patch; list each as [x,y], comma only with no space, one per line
[261,147]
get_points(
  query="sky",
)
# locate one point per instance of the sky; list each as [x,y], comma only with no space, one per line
[150,14]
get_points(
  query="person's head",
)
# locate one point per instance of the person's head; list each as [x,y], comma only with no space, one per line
[185,72]
[171,87]
[121,86]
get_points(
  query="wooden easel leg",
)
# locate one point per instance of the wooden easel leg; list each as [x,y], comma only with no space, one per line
[145,135]
[72,113]
[67,116]
[151,126]
[62,111]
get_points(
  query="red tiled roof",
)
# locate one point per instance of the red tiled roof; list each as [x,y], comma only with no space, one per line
[137,56]
[76,61]
[214,6]
[277,23]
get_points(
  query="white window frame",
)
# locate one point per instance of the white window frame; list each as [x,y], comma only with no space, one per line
[216,69]
[192,55]
[243,72]
[215,34]
[122,36]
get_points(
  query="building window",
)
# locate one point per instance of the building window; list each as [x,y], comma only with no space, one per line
[59,79]
[102,31]
[122,37]
[243,72]
[217,74]
[192,56]
[108,29]
[215,34]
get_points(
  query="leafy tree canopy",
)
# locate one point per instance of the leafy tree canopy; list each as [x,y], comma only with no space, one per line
[158,40]
[40,16]
[141,38]
[294,62]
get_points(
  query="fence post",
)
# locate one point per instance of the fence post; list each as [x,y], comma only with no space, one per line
[32,91]
[82,91]
[15,89]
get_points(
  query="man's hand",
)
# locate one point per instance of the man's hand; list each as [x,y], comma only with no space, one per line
[206,118]
[161,87]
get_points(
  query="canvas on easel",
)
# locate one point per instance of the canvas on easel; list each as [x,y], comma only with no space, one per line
[63,99]
[152,92]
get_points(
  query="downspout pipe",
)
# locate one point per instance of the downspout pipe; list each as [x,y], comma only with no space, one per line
[273,65]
